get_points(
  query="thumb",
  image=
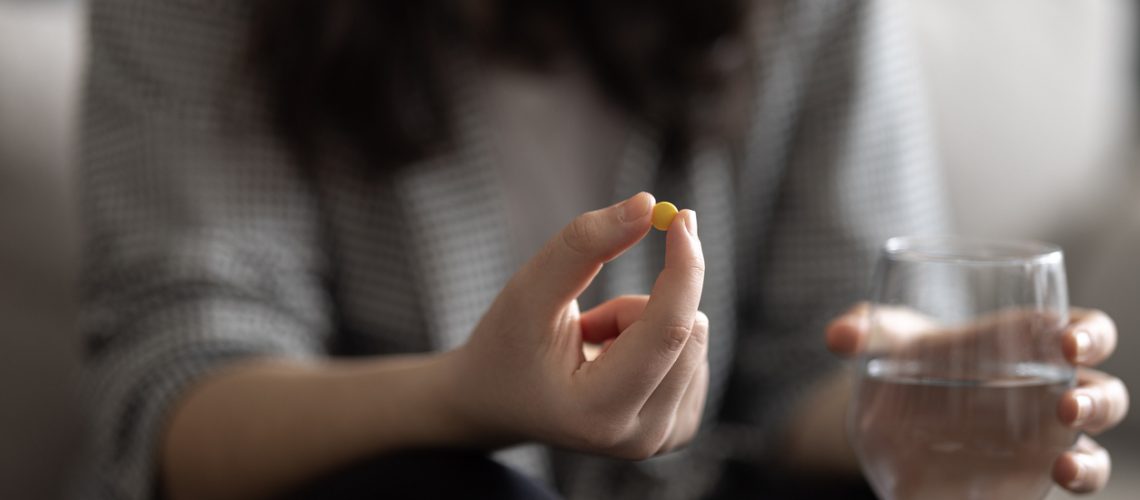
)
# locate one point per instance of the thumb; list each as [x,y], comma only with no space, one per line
[846,335]
[571,259]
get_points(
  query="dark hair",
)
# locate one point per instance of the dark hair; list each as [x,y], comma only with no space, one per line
[371,74]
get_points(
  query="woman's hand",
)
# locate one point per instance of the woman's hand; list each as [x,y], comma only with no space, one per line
[523,374]
[1099,402]
[264,425]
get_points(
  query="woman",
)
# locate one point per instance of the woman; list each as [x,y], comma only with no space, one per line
[324,233]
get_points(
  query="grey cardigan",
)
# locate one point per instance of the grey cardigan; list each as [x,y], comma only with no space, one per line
[205,245]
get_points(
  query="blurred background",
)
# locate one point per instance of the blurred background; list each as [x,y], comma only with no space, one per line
[1034,102]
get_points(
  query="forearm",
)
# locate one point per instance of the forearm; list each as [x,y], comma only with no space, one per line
[817,430]
[264,425]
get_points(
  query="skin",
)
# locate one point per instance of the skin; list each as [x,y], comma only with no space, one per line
[264,425]
[1098,403]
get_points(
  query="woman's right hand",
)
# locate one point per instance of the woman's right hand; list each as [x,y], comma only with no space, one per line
[523,374]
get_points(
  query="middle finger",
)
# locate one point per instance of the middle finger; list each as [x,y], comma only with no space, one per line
[690,411]
[1099,402]
[664,402]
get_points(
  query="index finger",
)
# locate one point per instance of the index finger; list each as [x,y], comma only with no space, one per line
[642,355]
[569,261]
[1089,338]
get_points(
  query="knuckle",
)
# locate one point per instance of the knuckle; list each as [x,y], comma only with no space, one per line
[675,337]
[687,433]
[602,438]
[658,436]
[581,235]
[698,264]
[700,333]
[700,337]
[690,274]
[641,448]
[644,450]
[604,433]
[701,319]
[632,438]
[695,272]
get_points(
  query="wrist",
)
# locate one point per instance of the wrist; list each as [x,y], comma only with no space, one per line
[466,411]
[408,401]
[445,384]
[816,436]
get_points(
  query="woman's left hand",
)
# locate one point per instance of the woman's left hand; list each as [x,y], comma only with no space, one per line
[1098,403]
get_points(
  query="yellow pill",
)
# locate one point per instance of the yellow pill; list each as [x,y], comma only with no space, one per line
[663,213]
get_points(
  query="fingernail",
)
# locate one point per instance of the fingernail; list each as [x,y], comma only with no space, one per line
[1082,471]
[1083,340]
[691,223]
[1084,409]
[634,208]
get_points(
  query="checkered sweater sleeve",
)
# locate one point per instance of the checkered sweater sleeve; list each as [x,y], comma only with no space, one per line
[201,244]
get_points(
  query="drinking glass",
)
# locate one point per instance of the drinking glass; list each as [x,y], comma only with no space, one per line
[958,382]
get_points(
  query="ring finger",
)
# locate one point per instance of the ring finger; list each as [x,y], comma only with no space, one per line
[1083,469]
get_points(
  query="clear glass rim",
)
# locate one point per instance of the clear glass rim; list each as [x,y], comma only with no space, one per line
[970,250]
